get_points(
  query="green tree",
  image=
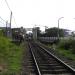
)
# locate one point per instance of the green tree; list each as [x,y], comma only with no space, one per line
[53,32]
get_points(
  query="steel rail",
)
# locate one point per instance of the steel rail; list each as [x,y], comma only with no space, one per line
[59,60]
[39,73]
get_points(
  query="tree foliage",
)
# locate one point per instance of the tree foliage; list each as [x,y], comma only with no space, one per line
[53,32]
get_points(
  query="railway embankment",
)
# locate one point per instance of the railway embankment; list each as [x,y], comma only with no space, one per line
[10,57]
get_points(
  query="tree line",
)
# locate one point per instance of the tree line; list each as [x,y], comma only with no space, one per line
[52,32]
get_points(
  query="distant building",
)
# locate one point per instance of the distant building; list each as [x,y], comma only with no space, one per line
[67,32]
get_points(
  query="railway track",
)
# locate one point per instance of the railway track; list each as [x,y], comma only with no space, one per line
[46,63]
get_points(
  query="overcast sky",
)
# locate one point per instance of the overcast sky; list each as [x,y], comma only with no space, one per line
[27,13]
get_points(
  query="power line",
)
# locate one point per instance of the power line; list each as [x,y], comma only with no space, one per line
[10,10]
[15,21]
[2,23]
[2,19]
[7,5]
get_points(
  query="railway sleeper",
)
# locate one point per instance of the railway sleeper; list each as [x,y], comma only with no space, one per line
[62,71]
[54,67]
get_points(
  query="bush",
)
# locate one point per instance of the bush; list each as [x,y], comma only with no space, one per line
[67,45]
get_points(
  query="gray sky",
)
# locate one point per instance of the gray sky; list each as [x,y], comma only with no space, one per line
[27,13]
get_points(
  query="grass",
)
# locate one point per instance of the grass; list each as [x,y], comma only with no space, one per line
[66,53]
[10,57]
[64,49]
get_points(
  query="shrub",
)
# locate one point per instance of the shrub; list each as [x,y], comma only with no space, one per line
[67,45]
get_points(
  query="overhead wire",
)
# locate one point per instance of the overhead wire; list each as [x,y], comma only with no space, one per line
[2,23]
[10,11]
[2,19]
[15,21]
[7,5]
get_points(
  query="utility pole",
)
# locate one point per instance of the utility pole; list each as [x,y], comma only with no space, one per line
[10,18]
[58,26]
[10,34]
[6,28]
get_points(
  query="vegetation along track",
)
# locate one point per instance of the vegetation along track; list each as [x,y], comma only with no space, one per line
[48,64]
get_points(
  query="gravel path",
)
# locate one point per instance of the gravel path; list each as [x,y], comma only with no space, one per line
[27,63]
